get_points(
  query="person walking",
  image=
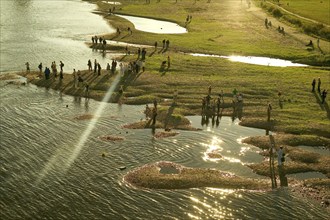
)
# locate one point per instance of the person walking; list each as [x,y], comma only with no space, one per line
[319,85]
[324,95]
[313,85]
[269,109]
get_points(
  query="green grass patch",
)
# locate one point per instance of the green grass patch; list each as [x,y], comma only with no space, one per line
[317,10]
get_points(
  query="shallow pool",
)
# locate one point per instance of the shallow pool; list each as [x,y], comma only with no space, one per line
[155,26]
[264,61]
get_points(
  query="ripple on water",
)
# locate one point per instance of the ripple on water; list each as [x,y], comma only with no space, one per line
[38,135]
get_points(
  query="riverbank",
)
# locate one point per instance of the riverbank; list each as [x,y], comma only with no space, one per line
[296,111]
[258,87]
[213,33]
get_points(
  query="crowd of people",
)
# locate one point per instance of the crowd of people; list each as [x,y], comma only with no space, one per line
[210,106]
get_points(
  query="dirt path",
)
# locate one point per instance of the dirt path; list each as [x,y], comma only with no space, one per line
[290,31]
[299,16]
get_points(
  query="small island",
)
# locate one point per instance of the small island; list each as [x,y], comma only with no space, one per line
[169,175]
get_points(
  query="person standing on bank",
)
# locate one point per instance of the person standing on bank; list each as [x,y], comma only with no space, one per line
[40,67]
[27,67]
[319,85]
[313,85]
[61,65]
[269,109]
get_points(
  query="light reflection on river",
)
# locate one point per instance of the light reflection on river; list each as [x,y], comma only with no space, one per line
[36,128]
[46,31]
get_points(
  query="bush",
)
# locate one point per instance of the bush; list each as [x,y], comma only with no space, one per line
[277,13]
[270,9]
[293,21]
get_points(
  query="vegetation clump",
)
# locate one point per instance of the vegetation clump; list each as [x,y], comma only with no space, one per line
[149,176]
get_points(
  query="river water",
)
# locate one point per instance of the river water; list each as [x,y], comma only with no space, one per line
[45,31]
[39,178]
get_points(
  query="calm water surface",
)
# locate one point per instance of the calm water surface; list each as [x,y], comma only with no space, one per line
[37,31]
[155,26]
[38,135]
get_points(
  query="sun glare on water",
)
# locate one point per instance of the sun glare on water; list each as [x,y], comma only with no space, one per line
[83,138]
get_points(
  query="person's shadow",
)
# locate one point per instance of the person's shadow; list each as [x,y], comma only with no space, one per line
[324,106]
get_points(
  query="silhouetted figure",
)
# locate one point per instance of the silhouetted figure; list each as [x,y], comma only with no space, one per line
[324,95]
[203,105]
[27,67]
[89,64]
[210,90]
[319,85]
[310,44]
[104,43]
[139,53]
[61,65]
[269,109]
[143,53]
[313,85]
[155,104]
[47,73]
[95,65]
[98,69]
[167,44]
[154,116]
[40,67]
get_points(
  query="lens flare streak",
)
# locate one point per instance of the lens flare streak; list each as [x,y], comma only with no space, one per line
[83,138]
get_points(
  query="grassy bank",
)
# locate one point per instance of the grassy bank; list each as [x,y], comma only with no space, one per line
[300,160]
[317,10]
[235,30]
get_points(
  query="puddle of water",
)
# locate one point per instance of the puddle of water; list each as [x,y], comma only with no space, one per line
[155,26]
[111,3]
[264,61]
[123,44]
